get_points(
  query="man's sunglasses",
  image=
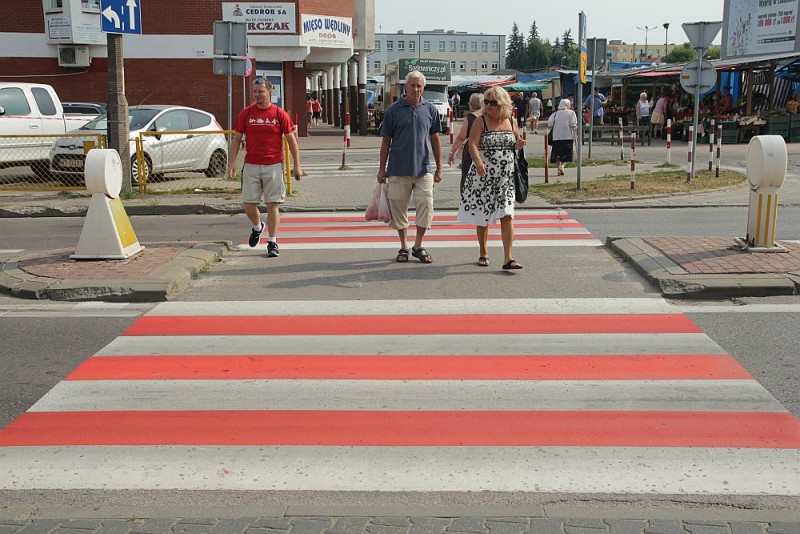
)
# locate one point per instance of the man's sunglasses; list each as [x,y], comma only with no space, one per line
[490,103]
[258,80]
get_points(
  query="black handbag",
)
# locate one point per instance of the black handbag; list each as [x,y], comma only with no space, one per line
[520,176]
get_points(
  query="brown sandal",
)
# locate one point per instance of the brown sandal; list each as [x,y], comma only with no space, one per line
[421,254]
[483,261]
[402,256]
[512,264]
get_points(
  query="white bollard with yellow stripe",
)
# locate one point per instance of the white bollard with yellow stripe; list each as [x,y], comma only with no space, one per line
[107,232]
[766,172]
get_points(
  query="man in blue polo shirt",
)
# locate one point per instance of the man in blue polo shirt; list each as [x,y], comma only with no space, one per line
[410,131]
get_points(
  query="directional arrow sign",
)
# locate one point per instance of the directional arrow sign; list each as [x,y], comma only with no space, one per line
[121,16]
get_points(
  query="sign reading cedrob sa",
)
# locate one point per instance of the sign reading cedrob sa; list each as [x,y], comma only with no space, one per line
[262,17]
[321,30]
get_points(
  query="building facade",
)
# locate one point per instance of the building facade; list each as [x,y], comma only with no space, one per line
[636,52]
[59,42]
[468,53]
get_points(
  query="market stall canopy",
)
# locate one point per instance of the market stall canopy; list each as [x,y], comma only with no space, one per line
[525,87]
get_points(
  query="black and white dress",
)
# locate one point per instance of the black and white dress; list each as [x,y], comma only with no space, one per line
[484,200]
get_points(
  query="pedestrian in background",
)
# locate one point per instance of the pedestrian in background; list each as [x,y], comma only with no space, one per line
[460,142]
[521,103]
[658,117]
[488,192]
[410,132]
[316,108]
[264,126]
[598,99]
[534,111]
[643,110]
[564,125]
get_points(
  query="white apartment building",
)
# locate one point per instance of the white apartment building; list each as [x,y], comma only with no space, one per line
[468,53]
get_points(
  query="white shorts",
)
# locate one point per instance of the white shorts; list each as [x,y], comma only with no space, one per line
[263,182]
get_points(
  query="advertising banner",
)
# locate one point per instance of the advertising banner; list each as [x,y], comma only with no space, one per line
[261,17]
[761,27]
[323,30]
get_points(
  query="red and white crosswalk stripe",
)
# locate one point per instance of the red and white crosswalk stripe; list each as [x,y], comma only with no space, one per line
[577,395]
[540,228]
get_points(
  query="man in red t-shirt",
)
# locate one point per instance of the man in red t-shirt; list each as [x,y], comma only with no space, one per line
[264,126]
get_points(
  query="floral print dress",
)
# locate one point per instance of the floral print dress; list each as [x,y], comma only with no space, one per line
[484,200]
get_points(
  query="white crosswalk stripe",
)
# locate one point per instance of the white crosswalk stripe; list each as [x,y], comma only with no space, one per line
[539,395]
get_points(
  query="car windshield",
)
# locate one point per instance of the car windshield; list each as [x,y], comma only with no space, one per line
[137,119]
[434,96]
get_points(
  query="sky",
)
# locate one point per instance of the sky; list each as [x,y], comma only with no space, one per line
[609,19]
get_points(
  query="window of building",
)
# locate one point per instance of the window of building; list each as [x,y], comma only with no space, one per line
[452,46]
[426,46]
[474,46]
[377,44]
[90,5]
[442,46]
[495,66]
[485,46]
[462,66]
[412,45]
[53,5]
[495,46]
[452,65]
[378,66]
[401,45]
[389,45]
[463,46]
[484,66]
[473,66]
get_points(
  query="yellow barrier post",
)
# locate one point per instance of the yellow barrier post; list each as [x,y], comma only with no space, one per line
[141,167]
[287,168]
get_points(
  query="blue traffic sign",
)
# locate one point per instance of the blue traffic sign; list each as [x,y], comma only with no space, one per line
[121,16]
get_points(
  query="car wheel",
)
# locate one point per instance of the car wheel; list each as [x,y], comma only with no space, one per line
[135,169]
[217,164]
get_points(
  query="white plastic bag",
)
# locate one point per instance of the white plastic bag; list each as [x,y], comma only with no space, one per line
[378,209]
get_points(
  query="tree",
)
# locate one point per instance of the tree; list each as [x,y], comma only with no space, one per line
[566,40]
[515,51]
[534,34]
[682,54]
[713,52]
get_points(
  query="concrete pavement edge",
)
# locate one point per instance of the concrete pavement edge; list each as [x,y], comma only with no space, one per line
[675,282]
[163,283]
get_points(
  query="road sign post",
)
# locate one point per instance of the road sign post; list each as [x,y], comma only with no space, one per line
[230,42]
[701,35]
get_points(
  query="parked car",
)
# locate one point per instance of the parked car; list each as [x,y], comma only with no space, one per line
[84,108]
[163,153]
[31,109]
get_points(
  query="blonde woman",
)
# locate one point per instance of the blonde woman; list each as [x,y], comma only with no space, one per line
[488,192]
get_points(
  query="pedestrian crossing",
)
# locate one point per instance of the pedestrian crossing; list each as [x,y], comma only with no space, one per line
[532,228]
[535,395]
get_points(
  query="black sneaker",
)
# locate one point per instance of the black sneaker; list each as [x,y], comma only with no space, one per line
[272,250]
[255,236]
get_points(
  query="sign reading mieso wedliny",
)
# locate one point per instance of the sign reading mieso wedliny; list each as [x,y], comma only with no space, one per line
[435,70]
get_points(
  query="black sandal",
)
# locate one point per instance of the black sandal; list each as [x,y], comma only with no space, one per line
[512,264]
[483,261]
[402,256]
[421,254]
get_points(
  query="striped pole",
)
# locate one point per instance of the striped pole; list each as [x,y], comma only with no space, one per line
[345,144]
[450,121]
[633,160]
[711,146]
[691,142]
[719,146]
[669,140]
[546,161]
[621,152]
[347,128]
[296,128]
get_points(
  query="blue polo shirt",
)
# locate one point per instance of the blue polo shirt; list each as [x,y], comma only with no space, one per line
[410,129]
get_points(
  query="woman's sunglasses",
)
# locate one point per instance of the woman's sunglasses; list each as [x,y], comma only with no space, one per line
[490,103]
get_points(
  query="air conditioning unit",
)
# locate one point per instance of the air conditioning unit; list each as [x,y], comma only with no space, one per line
[73,56]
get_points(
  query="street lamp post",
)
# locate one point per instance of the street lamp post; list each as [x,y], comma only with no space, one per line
[666,38]
[646,30]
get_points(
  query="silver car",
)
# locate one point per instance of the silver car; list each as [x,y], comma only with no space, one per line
[163,152]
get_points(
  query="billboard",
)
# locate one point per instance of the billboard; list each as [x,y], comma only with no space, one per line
[435,70]
[758,27]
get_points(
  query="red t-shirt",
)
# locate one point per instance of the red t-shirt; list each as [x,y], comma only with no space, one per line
[264,129]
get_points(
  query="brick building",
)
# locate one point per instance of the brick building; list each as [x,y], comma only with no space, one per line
[59,42]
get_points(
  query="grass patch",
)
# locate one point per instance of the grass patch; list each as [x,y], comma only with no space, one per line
[666,165]
[654,183]
[538,163]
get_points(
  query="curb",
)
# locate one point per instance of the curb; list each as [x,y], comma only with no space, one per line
[675,282]
[163,283]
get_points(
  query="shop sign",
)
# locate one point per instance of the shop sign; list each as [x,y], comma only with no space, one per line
[262,17]
[325,31]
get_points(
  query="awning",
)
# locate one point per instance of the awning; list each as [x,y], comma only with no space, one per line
[657,73]
[525,87]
